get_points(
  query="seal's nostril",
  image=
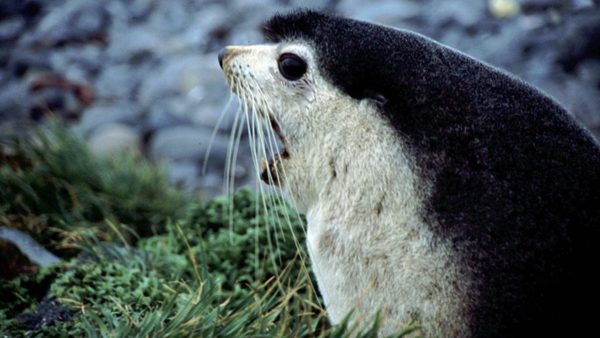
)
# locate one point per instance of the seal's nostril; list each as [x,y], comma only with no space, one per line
[221,56]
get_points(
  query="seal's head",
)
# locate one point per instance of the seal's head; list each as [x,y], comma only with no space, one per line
[282,83]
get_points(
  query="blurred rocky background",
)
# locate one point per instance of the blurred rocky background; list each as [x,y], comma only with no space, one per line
[142,75]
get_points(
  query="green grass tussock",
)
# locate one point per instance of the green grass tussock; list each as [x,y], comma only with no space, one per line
[53,182]
[140,258]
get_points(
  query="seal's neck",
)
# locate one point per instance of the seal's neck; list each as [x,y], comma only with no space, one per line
[359,165]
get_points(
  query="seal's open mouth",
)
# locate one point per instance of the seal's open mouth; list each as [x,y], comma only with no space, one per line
[270,172]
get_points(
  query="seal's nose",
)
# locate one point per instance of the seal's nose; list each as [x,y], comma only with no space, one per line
[221,56]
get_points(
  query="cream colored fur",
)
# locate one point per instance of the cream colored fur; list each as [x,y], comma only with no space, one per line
[355,179]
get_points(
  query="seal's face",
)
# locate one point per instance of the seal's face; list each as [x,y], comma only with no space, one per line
[279,84]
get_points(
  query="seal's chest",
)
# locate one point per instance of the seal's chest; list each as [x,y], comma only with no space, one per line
[385,261]
[369,247]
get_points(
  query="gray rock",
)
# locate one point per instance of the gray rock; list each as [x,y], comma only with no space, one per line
[319,4]
[26,9]
[167,113]
[187,143]
[11,28]
[218,115]
[112,138]
[466,13]
[24,60]
[139,10]
[78,62]
[537,5]
[75,21]
[491,48]
[244,34]
[14,101]
[49,100]
[140,42]
[52,94]
[388,12]
[583,101]
[184,174]
[209,99]
[4,77]
[259,5]
[246,29]
[73,106]
[47,312]
[118,12]
[582,4]
[203,23]
[589,71]
[118,81]
[172,17]
[9,8]
[102,113]
[28,246]
[178,76]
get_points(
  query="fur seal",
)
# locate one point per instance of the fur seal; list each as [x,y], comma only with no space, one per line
[436,188]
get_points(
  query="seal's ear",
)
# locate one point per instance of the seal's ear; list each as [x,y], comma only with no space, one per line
[378,98]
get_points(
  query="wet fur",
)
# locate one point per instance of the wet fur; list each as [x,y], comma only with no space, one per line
[483,191]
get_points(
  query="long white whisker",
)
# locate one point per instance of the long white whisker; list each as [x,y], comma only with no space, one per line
[274,147]
[264,144]
[214,132]
[259,149]
[273,144]
[231,153]
[250,120]
[228,156]
[236,147]
[260,132]
[255,148]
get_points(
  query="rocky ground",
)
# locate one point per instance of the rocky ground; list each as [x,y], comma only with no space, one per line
[143,74]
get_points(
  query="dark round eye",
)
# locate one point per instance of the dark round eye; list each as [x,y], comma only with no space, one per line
[291,66]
